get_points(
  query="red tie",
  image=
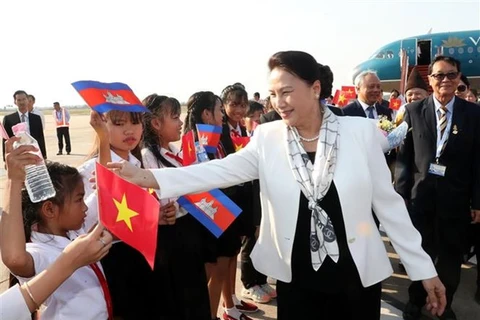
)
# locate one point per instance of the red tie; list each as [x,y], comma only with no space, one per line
[106,291]
[174,156]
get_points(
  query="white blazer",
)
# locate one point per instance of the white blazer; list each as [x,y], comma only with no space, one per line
[363,182]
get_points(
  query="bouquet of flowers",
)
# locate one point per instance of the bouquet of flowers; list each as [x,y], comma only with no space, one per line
[395,133]
[385,125]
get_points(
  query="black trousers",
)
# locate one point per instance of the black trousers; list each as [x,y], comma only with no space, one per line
[250,276]
[445,241]
[64,132]
[355,302]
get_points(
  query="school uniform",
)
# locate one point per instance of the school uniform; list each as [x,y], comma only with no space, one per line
[179,273]
[129,277]
[81,289]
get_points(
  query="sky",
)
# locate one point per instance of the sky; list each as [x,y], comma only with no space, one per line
[179,47]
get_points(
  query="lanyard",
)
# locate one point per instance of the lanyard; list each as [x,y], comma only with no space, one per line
[106,291]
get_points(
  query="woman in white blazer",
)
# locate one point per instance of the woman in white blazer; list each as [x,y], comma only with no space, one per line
[320,176]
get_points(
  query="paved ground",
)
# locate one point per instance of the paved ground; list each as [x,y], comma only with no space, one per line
[394,288]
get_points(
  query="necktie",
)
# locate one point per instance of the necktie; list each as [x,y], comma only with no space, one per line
[24,117]
[442,120]
[370,112]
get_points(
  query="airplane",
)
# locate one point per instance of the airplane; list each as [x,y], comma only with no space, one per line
[421,50]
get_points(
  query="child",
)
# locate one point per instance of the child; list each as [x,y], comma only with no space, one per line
[48,227]
[182,290]
[128,274]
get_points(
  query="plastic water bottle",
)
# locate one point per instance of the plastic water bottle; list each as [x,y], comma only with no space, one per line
[201,153]
[38,182]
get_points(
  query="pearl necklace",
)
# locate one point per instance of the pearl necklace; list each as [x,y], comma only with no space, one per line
[309,140]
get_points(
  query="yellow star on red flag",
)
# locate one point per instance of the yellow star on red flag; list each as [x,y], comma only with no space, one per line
[124,212]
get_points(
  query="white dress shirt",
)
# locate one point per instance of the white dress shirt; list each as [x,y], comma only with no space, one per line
[80,296]
[366,106]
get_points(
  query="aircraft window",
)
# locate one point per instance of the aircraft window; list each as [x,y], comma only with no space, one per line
[390,54]
[380,55]
[470,50]
[460,50]
[451,50]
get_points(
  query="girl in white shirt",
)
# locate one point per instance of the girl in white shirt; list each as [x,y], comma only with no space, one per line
[32,242]
[128,274]
[179,273]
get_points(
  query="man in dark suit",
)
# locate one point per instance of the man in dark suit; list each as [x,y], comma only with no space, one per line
[273,115]
[369,92]
[438,175]
[22,115]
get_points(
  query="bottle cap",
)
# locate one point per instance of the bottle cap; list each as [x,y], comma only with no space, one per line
[19,127]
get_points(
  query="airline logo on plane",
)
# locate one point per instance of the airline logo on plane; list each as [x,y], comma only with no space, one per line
[454,42]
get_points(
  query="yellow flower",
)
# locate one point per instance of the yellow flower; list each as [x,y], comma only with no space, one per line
[385,124]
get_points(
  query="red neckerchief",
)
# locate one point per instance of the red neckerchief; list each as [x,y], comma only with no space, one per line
[175,157]
[106,291]
[235,133]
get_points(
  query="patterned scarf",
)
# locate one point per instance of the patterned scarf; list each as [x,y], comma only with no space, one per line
[314,181]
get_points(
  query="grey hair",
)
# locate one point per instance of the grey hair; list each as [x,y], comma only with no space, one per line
[361,76]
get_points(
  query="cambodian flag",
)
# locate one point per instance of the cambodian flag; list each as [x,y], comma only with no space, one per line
[103,97]
[213,209]
[209,136]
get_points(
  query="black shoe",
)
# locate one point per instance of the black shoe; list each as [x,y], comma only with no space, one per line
[68,153]
[412,312]
[59,153]
[477,295]
[448,315]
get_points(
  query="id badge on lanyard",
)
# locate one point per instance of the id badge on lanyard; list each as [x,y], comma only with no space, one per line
[437,168]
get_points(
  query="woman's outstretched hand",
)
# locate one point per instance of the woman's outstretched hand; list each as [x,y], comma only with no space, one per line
[141,177]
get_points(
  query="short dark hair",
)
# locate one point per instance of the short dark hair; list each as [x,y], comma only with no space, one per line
[465,80]
[256,94]
[56,103]
[31,96]
[253,106]
[304,66]
[450,60]
[19,92]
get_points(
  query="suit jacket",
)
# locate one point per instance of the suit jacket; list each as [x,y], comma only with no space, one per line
[453,194]
[362,180]
[36,129]
[355,109]
[273,115]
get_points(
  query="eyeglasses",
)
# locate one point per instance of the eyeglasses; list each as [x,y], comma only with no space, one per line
[441,76]
[461,88]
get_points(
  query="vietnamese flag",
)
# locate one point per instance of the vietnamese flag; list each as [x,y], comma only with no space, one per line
[339,99]
[349,92]
[213,209]
[128,211]
[188,149]
[395,104]
[209,136]
[103,97]
[239,142]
